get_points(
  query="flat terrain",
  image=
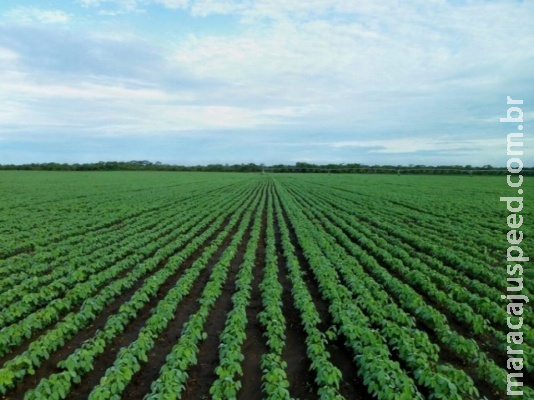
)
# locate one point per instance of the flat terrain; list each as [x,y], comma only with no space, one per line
[163,285]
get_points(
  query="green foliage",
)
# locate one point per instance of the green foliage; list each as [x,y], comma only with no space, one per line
[408,268]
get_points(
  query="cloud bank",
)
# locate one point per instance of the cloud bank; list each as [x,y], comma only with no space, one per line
[414,82]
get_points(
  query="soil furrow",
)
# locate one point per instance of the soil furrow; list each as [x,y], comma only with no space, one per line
[202,375]
[351,386]
[487,344]
[62,313]
[49,366]
[255,345]
[165,341]
[301,379]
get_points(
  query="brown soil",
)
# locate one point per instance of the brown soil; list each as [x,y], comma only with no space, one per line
[15,351]
[106,360]
[255,345]
[202,375]
[301,378]
[352,386]
[102,362]
[140,382]
[488,343]
[49,366]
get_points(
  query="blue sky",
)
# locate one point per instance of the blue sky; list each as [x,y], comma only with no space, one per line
[265,81]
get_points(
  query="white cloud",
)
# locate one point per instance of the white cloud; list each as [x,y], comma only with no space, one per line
[209,7]
[173,4]
[122,6]
[364,50]
[32,14]
[105,107]
[88,91]
[418,144]
[133,5]
[356,71]
[90,3]
[8,55]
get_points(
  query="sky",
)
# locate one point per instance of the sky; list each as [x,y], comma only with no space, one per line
[268,81]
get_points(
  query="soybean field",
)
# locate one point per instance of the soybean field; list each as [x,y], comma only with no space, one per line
[170,285]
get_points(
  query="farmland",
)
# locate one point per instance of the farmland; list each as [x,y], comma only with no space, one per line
[163,285]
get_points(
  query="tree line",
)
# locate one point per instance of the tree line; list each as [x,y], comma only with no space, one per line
[300,167]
